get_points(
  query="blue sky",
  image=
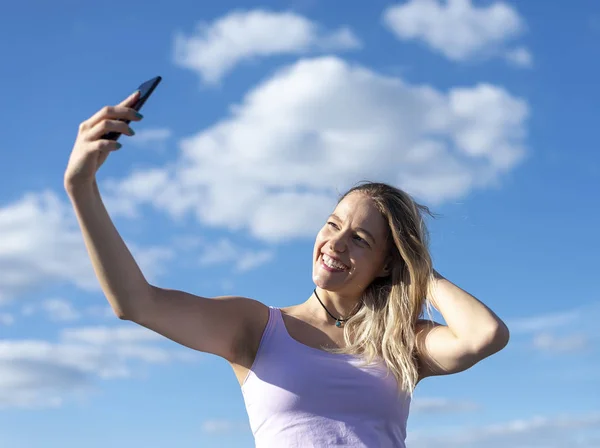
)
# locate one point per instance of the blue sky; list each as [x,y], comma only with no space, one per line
[485,111]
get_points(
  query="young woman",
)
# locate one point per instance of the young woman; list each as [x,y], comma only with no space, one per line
[336,370]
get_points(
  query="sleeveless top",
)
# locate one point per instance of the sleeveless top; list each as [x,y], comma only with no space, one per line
[300,396]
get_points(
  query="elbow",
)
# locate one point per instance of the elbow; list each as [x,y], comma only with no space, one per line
[491,340]
[120,313]
[130,309]
[496,338]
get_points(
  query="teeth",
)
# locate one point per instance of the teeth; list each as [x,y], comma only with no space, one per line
[332,263]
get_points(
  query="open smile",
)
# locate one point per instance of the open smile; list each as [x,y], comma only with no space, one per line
[332,265]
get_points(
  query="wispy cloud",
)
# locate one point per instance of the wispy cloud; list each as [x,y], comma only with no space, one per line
[156,137]
[6,319]
[442,406]
[458,29]
[219,426]
[562,332]
[535,432]
[571,343]
[58,310]
[225,251]
[103,335]
[218,47]
[36,373]
[520,57]
[544,322]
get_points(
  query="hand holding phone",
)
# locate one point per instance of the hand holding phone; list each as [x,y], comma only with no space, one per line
[145,90]
[98,135]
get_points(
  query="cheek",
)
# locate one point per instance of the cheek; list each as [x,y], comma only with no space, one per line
[319,241]
[369,262]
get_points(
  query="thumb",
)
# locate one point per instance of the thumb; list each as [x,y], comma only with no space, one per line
[131,99]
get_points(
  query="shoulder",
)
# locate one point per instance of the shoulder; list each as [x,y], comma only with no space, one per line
[255,314]
[252,325]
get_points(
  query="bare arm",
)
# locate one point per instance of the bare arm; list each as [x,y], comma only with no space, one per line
[220,326]
[473,331]
[120,277]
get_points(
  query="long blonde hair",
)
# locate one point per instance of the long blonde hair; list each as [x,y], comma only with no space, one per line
[385,324]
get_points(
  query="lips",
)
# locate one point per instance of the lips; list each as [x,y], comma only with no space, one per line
[333,263]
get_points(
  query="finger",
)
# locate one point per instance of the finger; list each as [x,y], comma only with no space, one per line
[131,99]
[122,113]
[105,145]
[105,126]
[122,110]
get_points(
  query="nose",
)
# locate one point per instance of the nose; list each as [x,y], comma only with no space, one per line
[337,243]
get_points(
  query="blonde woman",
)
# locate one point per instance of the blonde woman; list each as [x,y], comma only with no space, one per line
[338,369]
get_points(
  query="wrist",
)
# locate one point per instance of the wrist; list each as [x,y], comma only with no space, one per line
[81,190]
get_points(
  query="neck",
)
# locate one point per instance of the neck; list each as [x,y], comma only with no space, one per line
[341,306]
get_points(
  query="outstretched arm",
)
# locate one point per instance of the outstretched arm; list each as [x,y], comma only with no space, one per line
[473,332]
[229,327]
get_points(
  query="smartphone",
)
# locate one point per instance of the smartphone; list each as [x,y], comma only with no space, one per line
[146,89]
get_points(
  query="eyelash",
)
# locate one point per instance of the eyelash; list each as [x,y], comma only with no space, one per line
[361,240]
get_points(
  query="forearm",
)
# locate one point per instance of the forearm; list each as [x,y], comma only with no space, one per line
[468,319]
[120,277]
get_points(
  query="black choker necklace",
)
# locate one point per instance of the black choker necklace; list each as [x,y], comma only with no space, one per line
[338,321]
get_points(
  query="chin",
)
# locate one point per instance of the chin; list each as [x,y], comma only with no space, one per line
[320,281]
[326,283]
[329,281]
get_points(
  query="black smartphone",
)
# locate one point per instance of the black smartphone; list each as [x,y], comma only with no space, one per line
[146,89]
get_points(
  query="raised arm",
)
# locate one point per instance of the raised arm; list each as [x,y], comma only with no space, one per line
[473,332]
[221,326]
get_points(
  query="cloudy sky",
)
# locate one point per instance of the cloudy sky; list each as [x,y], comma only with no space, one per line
[486,111]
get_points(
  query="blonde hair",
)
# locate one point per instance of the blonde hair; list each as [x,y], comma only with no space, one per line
[385,324]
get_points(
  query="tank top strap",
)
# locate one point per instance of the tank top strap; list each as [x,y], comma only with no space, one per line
[274,331]
[276,321]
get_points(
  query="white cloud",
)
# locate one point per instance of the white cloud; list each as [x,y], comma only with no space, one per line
[544,322]
[151,137]
[456,28]
[41,243]
[100,311]
[536,432]
[275,166]
[36,373]
[103,335]
[251,260]
[150,185]
[568,331]
[217,426]
[441,405]
[6,319]
[550,343]
[520,57]
[57,310]
[151,260]
[218,47]
[226,252]
[60,310]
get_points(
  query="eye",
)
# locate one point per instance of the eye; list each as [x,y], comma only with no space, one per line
[332,224]
[361,240]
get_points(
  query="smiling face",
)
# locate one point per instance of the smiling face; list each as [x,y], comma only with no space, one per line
[350,250]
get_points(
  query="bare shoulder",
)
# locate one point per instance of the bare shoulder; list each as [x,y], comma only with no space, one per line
[253,324]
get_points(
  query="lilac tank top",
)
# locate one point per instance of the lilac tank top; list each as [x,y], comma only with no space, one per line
[300,396]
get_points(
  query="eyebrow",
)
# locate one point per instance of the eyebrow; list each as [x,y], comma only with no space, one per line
[333,215]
